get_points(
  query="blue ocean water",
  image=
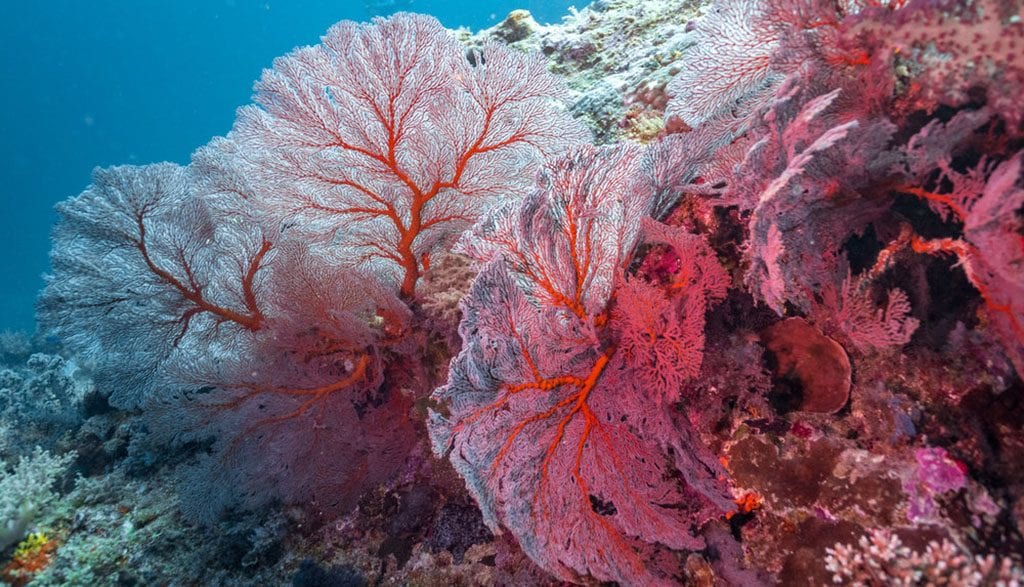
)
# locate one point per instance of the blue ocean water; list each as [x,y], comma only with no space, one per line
[88,84]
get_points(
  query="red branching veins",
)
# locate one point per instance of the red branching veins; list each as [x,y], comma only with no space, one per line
[309,398]
[313,420]
[250,319]
[593,228]
[969,257]
[982,201]
[393,139]
[570,421]
[575,395]
[941,199]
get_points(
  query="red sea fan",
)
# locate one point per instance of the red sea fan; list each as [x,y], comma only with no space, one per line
[312,414]
[385,139]
[571,254]
[729,63]
[662,344]
[548,416]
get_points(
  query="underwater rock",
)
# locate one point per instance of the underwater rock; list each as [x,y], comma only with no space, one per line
[310,574]
[617,58]
[783,480]
[457,528]
[518,25]
[407,516]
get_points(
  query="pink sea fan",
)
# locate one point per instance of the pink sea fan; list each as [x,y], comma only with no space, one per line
[849,312]
[570,253]
[548,412]
[663,345]
[661,333]
[385,139]
[730,61]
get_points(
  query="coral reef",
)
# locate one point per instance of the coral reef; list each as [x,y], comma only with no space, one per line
[40,400]
[402,326]
[26,490]
[882,556]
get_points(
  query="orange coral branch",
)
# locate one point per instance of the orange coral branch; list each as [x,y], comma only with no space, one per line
[943,199]
[964,251]
[315,395]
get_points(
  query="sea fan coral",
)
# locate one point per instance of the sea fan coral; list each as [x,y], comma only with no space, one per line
[143,269]
[550,417]
[314,422]
[729,62]
[384,139]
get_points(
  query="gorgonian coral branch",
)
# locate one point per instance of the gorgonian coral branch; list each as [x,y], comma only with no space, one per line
[389,138]
[550,413]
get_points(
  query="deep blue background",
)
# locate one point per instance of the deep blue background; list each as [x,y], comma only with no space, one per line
[137,81]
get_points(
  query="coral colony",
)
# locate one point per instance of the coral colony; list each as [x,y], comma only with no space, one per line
[763,324]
